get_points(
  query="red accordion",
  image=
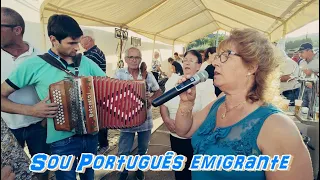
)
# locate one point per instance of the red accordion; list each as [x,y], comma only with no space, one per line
[89,103]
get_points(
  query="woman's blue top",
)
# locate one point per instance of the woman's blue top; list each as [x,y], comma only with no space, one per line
[237,139]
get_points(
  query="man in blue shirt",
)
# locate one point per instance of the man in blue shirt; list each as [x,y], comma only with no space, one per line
[64,33]
[92,51]
[96,55]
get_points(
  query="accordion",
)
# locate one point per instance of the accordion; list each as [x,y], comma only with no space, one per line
[87,104]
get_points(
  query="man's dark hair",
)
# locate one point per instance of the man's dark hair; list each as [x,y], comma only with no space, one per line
[170,59]
[201,51]
[176,54]
[63,26]
[195,53]
[14,17]
[210,50]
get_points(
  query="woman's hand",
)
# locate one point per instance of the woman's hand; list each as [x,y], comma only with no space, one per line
[170,124]
[190,94]
[7,174]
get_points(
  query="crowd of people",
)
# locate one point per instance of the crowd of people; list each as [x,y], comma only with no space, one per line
[233,112]
[307,66]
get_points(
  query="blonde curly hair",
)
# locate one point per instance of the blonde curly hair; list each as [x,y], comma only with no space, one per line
[255,49]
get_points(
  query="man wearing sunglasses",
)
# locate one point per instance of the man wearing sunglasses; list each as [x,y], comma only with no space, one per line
[14,50]
[310,68]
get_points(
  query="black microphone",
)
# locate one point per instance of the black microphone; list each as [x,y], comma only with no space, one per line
[200,76]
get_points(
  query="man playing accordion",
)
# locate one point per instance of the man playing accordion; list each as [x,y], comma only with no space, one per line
[64,33]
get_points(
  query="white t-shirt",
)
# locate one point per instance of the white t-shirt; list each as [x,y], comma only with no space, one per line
[154,64]
[312,65]
[291,68]
[204,95]
[26,95]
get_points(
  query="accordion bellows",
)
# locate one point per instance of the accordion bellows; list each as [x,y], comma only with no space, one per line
[87,104]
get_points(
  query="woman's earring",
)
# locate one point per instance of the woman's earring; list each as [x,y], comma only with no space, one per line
[249,74]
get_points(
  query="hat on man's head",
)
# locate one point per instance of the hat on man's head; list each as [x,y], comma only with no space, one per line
[305,46]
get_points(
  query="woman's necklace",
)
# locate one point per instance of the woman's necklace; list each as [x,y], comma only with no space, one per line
[225,105]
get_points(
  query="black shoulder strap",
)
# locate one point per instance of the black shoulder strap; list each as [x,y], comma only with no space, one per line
[77,61]
[52,61]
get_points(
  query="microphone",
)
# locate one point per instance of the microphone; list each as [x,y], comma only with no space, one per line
[200,76]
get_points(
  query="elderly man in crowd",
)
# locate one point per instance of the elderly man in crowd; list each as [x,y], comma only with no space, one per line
[156,65]
[26,129]
[132,72]
[96,55]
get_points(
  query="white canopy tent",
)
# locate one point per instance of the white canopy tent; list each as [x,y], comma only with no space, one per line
[182,21]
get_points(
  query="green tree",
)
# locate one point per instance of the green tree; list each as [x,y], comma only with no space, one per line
[205,42]
[296,44]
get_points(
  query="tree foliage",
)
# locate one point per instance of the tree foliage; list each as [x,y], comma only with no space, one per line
[296,44]
[205,42]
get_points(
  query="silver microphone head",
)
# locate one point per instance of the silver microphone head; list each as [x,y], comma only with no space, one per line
[203,75]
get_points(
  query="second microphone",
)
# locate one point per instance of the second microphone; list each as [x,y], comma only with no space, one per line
[200,76]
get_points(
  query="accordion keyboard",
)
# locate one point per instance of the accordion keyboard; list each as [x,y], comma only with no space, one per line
[57,99]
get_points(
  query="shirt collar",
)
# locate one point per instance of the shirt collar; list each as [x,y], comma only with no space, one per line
[92,48]
[57,57]
[127,72]
[30,51]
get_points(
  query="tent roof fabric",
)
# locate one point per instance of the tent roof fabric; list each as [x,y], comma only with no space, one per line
[182,21]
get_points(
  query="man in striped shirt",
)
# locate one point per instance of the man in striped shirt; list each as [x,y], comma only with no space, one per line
[92,50]
[97,56]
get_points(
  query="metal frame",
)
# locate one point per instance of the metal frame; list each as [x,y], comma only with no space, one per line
[254,10]
[298,11]
[236,20]
[288,10]
[269,32]
[181,21]
[146,11]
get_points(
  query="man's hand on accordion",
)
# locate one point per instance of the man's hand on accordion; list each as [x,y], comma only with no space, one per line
[45,110]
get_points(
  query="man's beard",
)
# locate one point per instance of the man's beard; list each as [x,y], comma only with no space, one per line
[66,54]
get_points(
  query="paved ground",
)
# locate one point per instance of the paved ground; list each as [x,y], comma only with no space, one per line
[157,138]
[159,144]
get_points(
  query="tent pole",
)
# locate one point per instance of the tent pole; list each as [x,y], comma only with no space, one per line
[284,30]
[154,44]
[119,52]
[173,47]
[269,35]
[217,38]
[44,45]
